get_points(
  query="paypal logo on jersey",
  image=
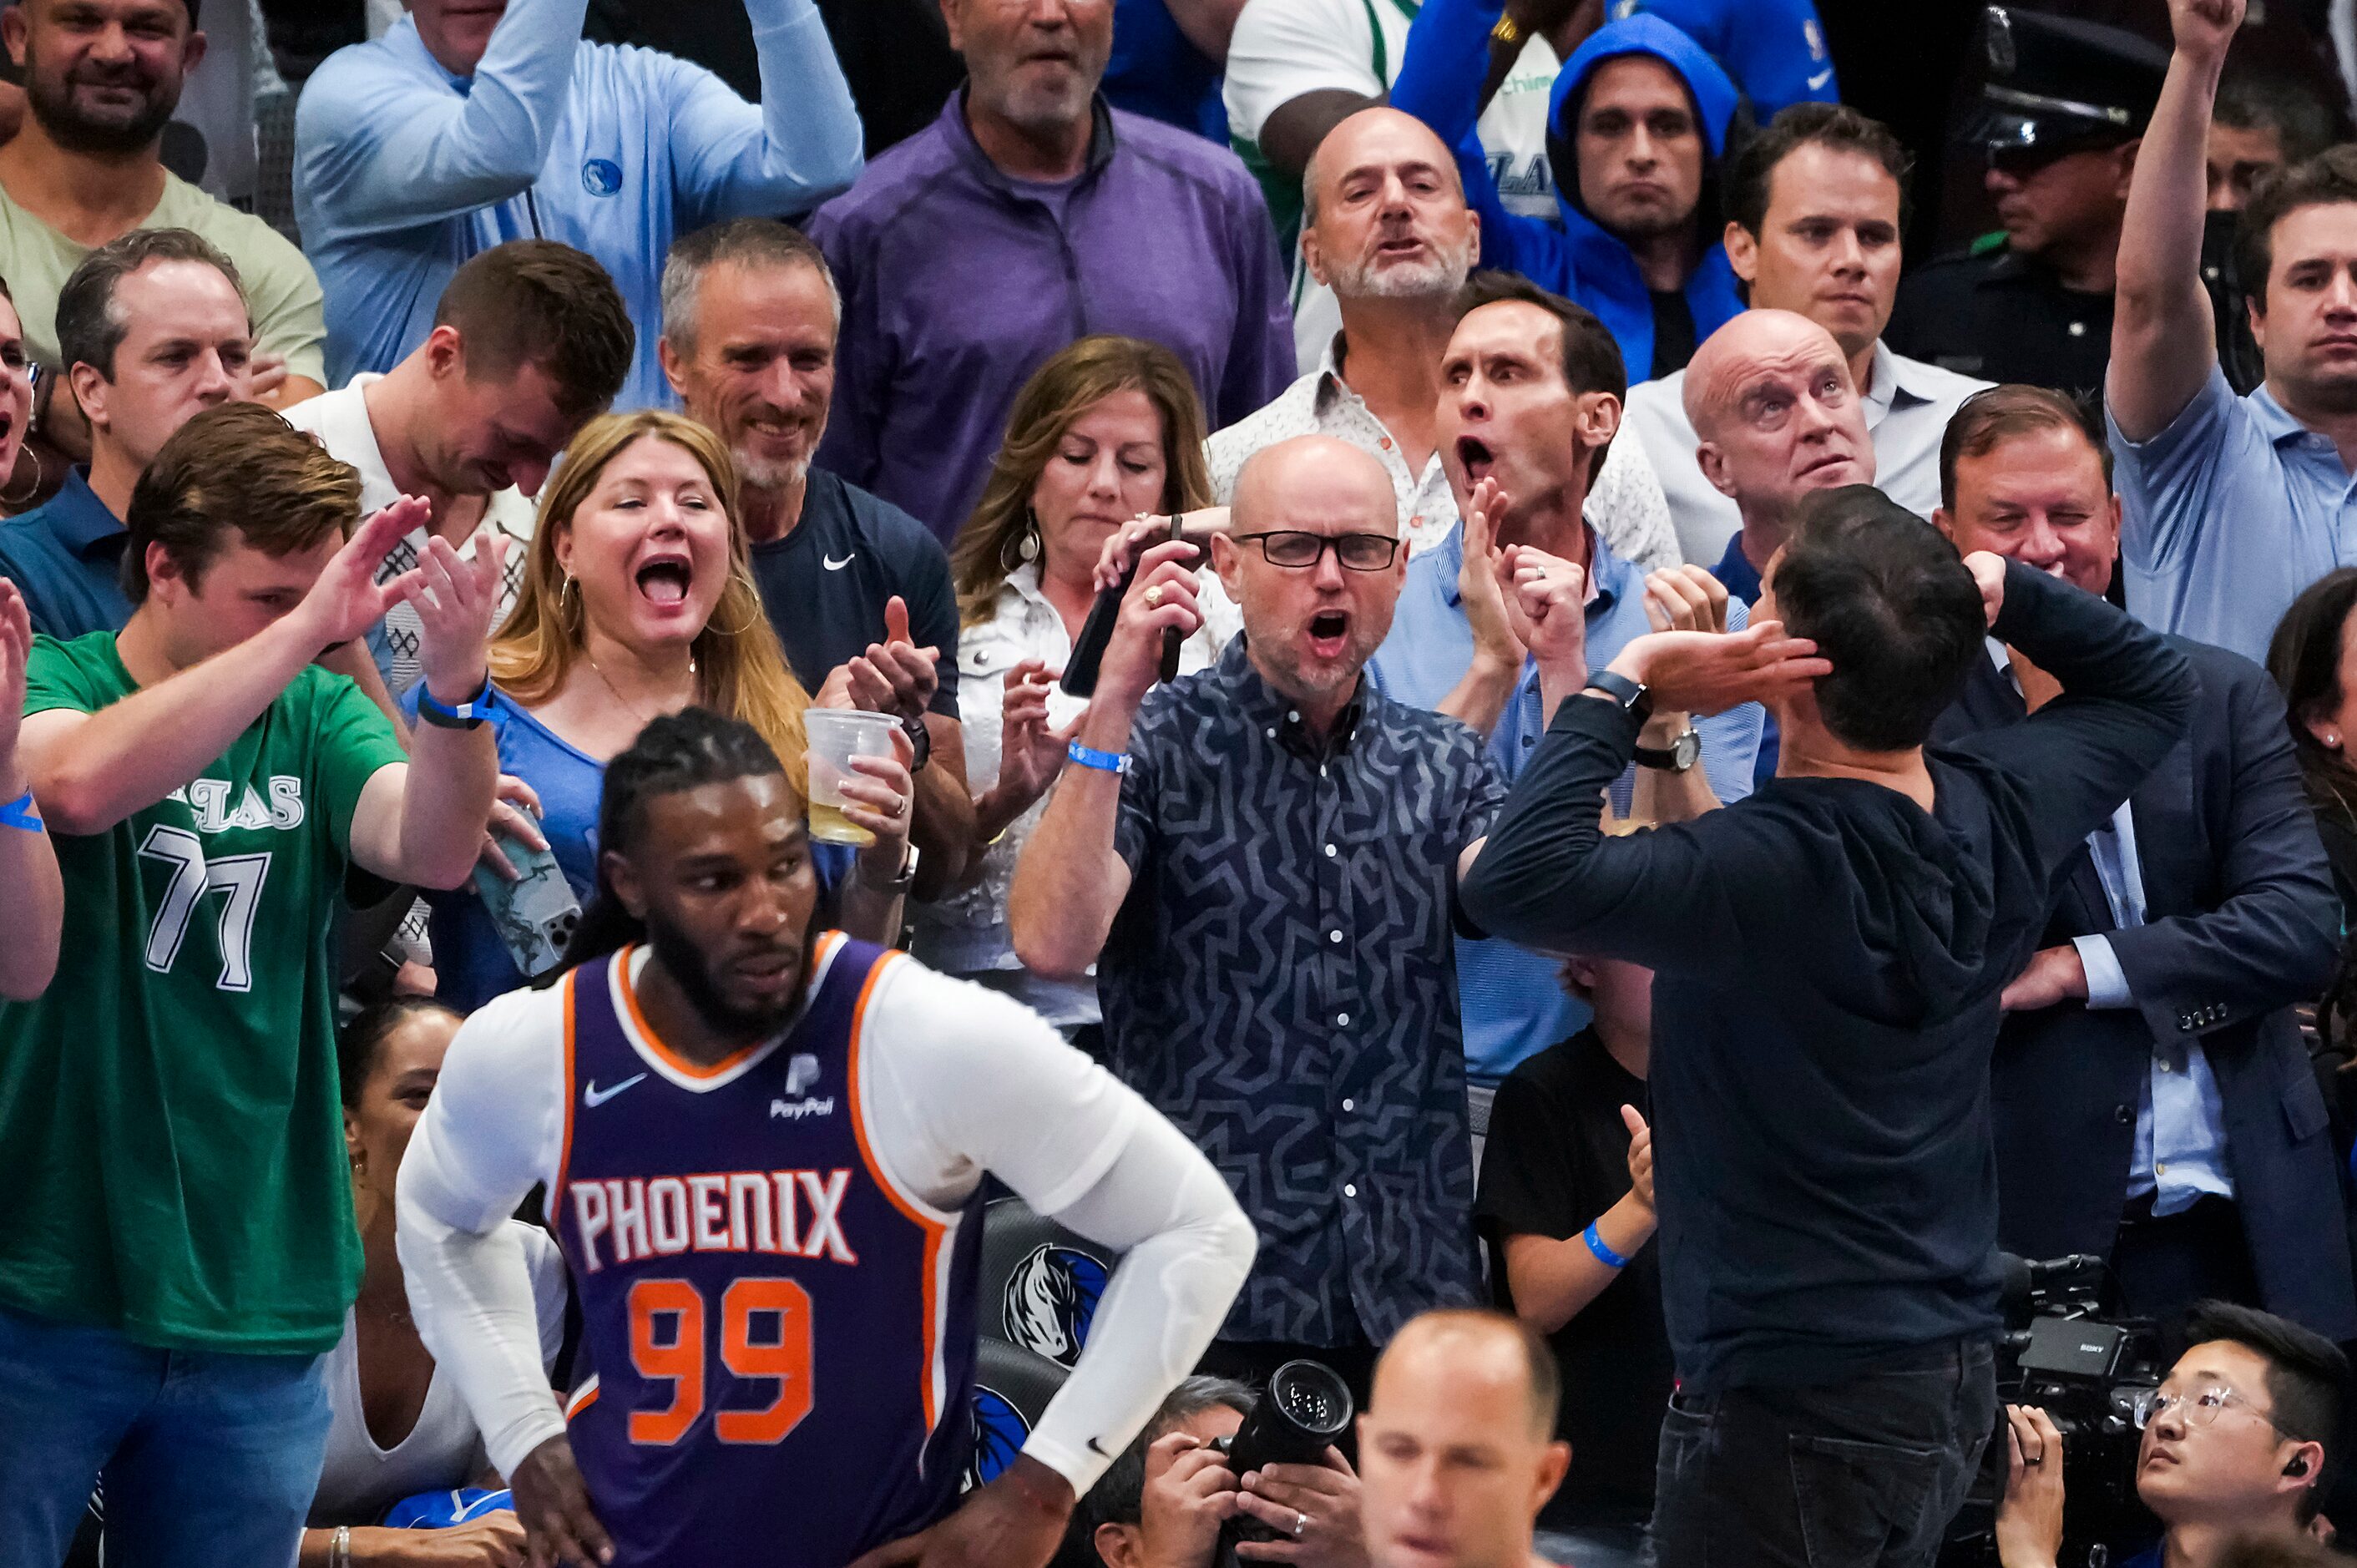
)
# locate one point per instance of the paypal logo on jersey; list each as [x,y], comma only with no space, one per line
[1051,1296]
[601,177]
[999,1431]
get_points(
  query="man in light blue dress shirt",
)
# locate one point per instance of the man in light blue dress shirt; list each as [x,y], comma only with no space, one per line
[1531,394]
[2151,1101]
[450,134]
[2233,504]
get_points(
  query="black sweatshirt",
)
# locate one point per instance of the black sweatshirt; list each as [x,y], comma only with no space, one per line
[1829,960]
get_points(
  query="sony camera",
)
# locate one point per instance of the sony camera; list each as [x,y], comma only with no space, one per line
[1306,1408]
[2094,1377]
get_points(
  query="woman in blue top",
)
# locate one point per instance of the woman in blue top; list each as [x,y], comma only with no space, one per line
[638,602]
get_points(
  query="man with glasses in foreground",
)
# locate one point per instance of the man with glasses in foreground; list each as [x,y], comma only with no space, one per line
[1261,859]
[2233,1444]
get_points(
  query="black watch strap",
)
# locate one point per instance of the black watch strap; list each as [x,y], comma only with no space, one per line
[920,741]
[1633,696]
[1683,752]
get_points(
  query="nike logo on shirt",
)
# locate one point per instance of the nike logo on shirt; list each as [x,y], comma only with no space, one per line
[831,564]
[1822,77]
[593,1097]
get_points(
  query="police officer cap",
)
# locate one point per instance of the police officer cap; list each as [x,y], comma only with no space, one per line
[2060,80]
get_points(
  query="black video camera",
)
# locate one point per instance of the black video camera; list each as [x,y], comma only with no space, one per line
[1306,1408]
[2093,1376]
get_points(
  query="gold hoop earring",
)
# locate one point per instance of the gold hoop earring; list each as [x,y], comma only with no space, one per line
[30,490]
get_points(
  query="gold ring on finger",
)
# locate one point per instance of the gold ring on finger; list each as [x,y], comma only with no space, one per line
[1154,596]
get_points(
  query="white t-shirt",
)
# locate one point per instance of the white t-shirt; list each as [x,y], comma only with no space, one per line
[360,1480]
[955,1081]
[340,420]
[1284,48]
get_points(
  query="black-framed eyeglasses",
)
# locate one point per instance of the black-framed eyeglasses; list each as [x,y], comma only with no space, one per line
[1297,548]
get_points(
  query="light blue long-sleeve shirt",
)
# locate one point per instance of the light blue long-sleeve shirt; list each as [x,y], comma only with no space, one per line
[403,171]
[1514,1005]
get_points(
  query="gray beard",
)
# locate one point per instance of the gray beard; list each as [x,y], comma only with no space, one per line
[762,474]
[1439,279]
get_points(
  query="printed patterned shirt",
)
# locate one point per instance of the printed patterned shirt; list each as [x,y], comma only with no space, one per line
[1281,982]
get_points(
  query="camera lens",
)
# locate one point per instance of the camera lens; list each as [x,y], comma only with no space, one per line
[1313,1397]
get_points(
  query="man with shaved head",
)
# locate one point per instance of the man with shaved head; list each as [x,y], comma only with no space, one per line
[1777,418]
[1457,1447]
[1385,226]
[1261,860]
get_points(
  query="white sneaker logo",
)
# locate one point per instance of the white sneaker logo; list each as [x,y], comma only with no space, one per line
[831,564]
[593,1097]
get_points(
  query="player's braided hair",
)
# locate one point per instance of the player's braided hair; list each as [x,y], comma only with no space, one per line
[679,751]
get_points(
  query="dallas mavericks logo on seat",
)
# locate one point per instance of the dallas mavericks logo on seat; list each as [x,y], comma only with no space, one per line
[999,1431]
[1051,1296]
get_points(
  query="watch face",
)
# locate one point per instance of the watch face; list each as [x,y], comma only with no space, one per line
[1687,750]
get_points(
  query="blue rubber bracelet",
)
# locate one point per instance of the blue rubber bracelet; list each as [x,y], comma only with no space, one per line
[23,815]
[1604,1255]
[1103,761]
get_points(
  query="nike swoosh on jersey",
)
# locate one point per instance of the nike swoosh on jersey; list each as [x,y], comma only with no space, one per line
[831,564]
[1822,77]
[593,1097]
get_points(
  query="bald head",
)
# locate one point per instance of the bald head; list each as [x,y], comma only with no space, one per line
[1738,352]
[1775,416]
[1316,473]
[1383,211]
[1473,1349]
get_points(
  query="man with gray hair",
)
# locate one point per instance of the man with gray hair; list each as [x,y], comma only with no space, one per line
[152,329]
[858,590]
[1384,223]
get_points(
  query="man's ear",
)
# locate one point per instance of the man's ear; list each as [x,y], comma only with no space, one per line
[950,12]
[1946,524]
[1118,1545]
[1600,418]
[192,54]
[1713,464]
[1551,1465]
[13,31]
[675,366]
[623,878]
[446,352]
[1742,249]
[89,388]
[1313,256]
[1228,561]
[2126,155]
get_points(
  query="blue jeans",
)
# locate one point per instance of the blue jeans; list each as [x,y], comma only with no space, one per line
[1862,1473]
[209,1460]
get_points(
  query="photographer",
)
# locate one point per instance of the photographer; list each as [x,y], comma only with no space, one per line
[2233,1445]
[1162,1503]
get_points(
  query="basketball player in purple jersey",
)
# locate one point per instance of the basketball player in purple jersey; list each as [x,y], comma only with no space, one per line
[762,1147]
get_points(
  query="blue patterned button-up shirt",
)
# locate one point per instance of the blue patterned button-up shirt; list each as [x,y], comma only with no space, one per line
[1281,982]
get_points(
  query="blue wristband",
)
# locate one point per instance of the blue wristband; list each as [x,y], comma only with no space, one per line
[22,814]
[476,710]
[1604,1255]
[1103,761]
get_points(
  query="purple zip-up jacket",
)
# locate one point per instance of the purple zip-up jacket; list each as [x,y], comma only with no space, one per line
[959,282]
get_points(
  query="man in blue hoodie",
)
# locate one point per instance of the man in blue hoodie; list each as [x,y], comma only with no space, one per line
[1638,121]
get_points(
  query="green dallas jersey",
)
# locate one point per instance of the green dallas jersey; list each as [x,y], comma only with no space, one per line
[171,1141]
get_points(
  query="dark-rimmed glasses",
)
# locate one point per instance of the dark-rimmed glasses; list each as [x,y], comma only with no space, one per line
[1298,548]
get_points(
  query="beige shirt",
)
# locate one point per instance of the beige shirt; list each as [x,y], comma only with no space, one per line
[282,293]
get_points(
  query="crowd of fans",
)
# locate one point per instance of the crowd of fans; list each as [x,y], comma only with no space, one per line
[1529,742]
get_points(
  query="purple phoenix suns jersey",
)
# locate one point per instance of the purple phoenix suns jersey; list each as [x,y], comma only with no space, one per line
[777,1345]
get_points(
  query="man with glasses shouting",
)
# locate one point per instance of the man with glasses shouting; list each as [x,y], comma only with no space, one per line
[2233,1444]
[1261,860]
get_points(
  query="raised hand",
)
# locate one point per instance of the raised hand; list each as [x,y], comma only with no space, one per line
[1685,598]
[1188,1493]
[1316,1506]
[552,1502]
[894,676]
[2204,28]
[1988,574]
[347,600]
[15,645]
[1160,598]
[1640,1155]
[1030,751]
[2029,1519]
[1478,583]
[1703,673]
[515,814]
[458,600]
[1147,529]
[1546,605]
[879,795]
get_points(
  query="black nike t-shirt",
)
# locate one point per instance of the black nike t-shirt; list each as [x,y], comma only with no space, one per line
[825,584]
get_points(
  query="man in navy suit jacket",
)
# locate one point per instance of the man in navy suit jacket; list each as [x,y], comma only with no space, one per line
[2152,1103]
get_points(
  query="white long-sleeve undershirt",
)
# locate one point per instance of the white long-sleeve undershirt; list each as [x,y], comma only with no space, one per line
[955,1080]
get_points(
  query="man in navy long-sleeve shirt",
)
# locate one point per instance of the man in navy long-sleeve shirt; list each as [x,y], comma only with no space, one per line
[1831,952]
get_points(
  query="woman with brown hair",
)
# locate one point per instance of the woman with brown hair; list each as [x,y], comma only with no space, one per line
[1107,429]
[2313,657]
[637,602]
